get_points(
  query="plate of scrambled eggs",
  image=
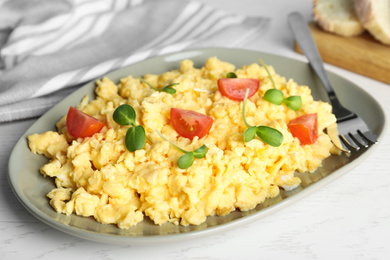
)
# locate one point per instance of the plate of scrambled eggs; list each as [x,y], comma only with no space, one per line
[99,187]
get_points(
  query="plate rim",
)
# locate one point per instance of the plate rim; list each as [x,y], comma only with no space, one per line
[116,239]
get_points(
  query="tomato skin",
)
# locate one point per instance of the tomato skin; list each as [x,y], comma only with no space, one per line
[189,123]
[305,128]
[235,88]
[80,124]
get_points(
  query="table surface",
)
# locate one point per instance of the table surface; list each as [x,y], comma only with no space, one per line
[346,219]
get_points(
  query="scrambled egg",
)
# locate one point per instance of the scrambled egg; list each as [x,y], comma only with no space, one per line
[97,176]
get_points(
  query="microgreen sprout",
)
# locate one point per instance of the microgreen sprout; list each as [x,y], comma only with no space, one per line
[186,160]
[267,134]
[293,102]
[135,135]
[168,88]
[275,96]
[231,75]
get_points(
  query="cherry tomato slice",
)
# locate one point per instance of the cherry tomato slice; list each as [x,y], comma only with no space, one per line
[235,88]
[189,123]
[305,128]
[80,124]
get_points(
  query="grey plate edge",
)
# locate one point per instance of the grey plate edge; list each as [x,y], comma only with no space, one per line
[193,234]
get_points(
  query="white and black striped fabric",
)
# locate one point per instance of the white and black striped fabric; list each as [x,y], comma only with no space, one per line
[48,48]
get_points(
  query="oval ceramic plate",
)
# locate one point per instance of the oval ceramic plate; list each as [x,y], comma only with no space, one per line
[31,187]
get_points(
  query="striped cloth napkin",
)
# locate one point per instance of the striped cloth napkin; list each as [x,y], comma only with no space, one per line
[49,48]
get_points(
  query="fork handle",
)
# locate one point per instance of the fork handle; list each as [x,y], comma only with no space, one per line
[306,43]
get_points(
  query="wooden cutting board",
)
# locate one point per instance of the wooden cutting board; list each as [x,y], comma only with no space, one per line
[360,54]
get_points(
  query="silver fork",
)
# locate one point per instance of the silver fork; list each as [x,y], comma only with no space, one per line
[353,131]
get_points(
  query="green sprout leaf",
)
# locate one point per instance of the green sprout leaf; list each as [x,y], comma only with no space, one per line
[124,115]
[135,138]
[186,160]
[293,102]
[269,135]
[231,75]
[250,133]
[168,88]
[274,96]
[200,152]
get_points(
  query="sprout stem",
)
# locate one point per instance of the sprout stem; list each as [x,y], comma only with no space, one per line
[171,144]
[269,74]
[243,108]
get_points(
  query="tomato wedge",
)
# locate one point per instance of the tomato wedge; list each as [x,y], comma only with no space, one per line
[189,123]
[80,124]
[305,128]
[235,88]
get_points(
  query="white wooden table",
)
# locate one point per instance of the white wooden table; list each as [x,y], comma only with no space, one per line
[346,219]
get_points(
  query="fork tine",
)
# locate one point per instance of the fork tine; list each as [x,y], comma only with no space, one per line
[355,134]
[348,141]
[368,136]
[333,134]
[358,139]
